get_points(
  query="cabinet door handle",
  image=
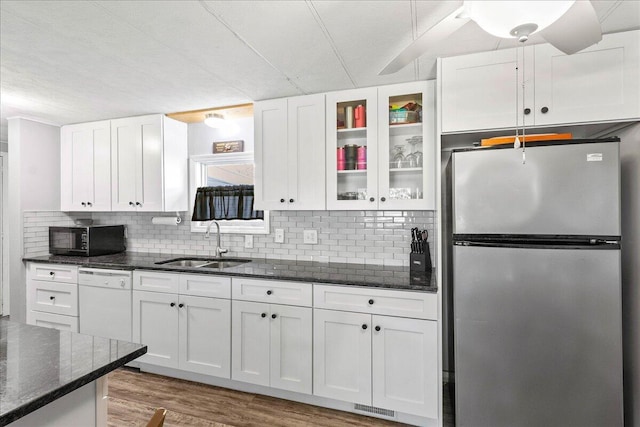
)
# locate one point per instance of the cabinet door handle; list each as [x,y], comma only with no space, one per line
[364,326]
[269,292]
[89,204]
[377,328]
[83,204]
[180,305]
[131,204]
[273,316]
[371,302]
[263,315]
[281,200]
[173,304]
[383,199]
[371,199]
[290,200]
[544,110]
[527,111]
[138,204]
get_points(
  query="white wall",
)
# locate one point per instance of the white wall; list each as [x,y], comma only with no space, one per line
[630,177]
[34,184]
[202,137]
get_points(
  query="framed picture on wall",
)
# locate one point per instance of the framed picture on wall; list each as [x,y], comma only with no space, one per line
[228,146]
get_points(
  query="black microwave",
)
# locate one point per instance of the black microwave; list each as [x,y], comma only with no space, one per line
[87,241]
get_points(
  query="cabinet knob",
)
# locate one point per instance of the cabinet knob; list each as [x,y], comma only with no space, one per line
[364,326]
[52,273]
[173,304]
[377,328]
[83,204]
[383,199]
[131,204]
[269,292]
[290,200]
[527,111]
[52,298]
[89,204]
[273,316]
[371,302]
[180,305]
[138,204]
[371,199]
[263,315]
[281,200]
[544,110]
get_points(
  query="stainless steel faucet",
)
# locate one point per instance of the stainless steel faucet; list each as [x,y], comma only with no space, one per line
[219,250]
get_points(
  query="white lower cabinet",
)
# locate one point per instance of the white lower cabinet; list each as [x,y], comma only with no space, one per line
[52,296]
[183,332]
[204,331]
[382,361]
[155,324]
[271,345]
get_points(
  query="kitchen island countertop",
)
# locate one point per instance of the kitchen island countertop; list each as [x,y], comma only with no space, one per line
[390,277]
[40,365]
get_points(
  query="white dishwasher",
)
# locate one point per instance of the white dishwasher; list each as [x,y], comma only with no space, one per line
[105,303]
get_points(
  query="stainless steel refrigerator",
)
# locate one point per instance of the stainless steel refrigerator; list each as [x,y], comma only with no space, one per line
[536,285]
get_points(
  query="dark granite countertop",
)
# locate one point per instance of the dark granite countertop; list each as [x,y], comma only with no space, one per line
[39,365]
[398,278]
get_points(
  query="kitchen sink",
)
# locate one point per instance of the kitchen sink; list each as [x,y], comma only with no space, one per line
[204,262]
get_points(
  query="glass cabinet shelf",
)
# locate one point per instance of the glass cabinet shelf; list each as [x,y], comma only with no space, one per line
[400,170]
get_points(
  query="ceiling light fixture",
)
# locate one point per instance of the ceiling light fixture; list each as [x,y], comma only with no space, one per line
[214,120]
[519,19]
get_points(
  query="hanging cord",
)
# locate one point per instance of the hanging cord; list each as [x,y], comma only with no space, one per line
[524,130]
[516,141]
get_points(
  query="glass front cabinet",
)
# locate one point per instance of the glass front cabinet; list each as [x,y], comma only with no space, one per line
[381,148]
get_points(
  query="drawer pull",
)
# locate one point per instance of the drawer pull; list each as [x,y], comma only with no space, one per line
[269,292]
[52,298]
[364,326]
[370,302]
[377,328]
[52,273]
[263,315]
[173,304]
[273,316]
[180,305]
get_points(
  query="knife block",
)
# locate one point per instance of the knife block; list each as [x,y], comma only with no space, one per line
[421,262]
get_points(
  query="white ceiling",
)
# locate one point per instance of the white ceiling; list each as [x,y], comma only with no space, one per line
[74,61]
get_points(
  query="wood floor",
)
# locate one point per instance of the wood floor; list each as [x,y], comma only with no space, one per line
[133,397]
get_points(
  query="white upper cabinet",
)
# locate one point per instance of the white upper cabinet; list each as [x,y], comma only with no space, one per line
[598,84]
[85,160]
[149,164]
[479,90]
[378,158]
[289,150]
[352,133]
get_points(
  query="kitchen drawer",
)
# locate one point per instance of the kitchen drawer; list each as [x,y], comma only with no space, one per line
[417,305]
[205,285]
[54,321]
[156,282]
[53,272]
[272,291]
[52,297]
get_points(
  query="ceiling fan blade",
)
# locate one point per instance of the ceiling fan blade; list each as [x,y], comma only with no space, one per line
[426,41]
[577,29]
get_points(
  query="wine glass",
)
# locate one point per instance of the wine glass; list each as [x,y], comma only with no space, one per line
[415,158]
[398,160]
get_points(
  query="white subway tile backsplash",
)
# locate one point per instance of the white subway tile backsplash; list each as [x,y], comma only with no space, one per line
[370,237]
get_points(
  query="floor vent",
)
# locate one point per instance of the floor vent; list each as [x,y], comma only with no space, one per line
[375,411]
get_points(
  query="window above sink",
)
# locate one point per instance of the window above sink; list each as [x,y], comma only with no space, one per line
[221,169]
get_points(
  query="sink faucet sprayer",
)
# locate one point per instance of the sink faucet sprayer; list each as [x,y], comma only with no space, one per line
[219,250]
